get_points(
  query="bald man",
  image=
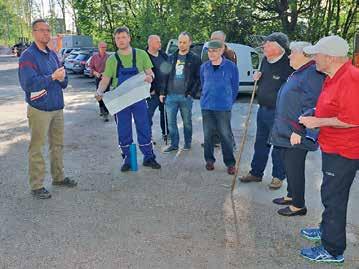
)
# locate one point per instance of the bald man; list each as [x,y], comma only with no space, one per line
[228,53]
[97,66]
[161,70]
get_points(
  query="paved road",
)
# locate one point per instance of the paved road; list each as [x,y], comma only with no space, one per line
[179,217]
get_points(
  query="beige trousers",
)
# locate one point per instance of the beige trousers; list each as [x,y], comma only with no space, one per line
[43,124]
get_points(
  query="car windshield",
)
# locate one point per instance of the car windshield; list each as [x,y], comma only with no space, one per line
[82,57]
[72,55]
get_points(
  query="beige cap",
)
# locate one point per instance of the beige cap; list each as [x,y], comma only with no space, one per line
[330,45]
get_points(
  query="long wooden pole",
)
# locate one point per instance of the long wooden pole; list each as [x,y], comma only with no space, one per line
[241,148]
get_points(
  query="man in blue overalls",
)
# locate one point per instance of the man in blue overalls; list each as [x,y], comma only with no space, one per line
[125,63]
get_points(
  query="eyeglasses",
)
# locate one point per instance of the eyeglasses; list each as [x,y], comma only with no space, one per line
[42,30]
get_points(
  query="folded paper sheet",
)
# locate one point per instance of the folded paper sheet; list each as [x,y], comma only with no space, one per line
[129,92]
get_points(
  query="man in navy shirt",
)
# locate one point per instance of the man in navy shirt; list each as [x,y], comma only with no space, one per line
[43,79]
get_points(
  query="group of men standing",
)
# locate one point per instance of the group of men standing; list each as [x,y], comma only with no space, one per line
[175,80]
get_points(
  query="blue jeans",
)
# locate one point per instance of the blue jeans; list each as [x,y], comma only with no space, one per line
[153,102]
[175,102]
[265,119]
[218,123]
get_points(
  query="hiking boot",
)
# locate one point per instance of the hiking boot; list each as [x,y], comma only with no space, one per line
[209,166]
[41,193]
[125,167]
[275,184]
[320,254]
[152,163]
[250,178]
[67,182]
[170,149]
[231,170]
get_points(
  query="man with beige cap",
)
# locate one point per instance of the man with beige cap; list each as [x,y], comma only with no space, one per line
[337,116]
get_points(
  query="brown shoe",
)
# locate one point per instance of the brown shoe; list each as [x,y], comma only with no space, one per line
[231,170]
[250,178]
[275,184]
[209,166]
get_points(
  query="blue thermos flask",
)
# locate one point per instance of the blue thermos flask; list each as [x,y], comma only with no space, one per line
[133,157]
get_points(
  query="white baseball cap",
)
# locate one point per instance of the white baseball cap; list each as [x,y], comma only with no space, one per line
[330,45]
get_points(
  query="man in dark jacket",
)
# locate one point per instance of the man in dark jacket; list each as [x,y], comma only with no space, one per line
[182,85]
[42,78]
[274,71]
[161,69]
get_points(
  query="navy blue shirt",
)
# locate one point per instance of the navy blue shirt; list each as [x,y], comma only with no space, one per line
[35,69]
[298,95]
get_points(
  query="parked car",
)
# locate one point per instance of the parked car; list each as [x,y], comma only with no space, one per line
[80,62]
[87,70]
[63,53]
[69,61]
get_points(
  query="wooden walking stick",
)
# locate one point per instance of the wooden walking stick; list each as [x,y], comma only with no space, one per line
[241,148]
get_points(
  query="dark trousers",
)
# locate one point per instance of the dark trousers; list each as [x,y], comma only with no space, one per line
[153,102]
[265,119]
[101,104]
[294,165]
[218,122]
[338,176]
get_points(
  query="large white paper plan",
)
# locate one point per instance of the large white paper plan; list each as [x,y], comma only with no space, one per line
[129,92]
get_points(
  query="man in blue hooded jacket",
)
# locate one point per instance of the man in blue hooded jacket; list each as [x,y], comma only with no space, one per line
[219,80]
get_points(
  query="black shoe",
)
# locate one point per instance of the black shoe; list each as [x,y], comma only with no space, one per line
[170,149]
[282,201]
[41,193]
[105,118]
[125,167]
[102,111]
[67,182]
[289,213]
[152,163]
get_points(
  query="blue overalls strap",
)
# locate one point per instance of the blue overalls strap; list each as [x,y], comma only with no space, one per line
[119,62]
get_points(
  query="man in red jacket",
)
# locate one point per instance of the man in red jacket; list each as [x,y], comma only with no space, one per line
[97,66]
[337,116]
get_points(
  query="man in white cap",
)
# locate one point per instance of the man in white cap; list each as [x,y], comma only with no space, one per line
[337,116]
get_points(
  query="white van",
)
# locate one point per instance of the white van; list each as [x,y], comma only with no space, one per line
[248,60]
